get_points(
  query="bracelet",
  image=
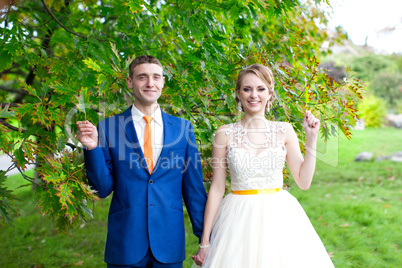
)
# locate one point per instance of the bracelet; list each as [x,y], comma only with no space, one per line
[206,246]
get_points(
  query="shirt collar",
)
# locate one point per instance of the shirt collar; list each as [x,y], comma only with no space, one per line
[138,115]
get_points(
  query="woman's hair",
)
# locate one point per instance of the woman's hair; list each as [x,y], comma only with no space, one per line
[262,72]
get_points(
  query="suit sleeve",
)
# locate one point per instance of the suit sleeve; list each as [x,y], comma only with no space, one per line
[193,190]
[99,165]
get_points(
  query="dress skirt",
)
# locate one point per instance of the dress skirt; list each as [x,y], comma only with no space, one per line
[264,231]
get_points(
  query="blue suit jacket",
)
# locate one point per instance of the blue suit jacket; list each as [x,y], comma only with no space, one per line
[147,210]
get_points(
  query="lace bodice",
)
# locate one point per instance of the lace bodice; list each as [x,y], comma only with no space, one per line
[261,170]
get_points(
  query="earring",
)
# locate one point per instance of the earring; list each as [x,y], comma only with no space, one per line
[239,106]
[268,107]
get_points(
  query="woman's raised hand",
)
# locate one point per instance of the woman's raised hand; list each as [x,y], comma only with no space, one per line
[310,124]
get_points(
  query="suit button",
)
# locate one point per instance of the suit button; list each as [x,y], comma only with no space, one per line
[151,181]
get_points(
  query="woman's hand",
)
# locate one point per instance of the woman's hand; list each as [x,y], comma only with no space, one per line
[311,124]
[199,257]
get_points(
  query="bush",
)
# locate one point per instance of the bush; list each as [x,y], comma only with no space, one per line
[387,86]
[398,108]
[372,110]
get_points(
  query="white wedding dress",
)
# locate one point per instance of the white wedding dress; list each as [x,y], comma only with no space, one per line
[262,230]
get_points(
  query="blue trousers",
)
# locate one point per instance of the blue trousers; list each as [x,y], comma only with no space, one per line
[148,261]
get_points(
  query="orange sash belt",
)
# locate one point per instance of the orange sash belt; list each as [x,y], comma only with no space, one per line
[257,191]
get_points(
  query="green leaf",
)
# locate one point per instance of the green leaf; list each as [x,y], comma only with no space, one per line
[6,59]
[55,179]
[19,158]
[135,5]
[92,65]
[83,100]
[48,201]
[29,89]
[64,192]
[7,206]
[5,113]
[40,115]
[114,49]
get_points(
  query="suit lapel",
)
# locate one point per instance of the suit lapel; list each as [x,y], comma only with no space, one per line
[127,124]
[168,137]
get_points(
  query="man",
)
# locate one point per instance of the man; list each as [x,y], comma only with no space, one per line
[150,161]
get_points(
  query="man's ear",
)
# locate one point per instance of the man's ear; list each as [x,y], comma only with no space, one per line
[129,82]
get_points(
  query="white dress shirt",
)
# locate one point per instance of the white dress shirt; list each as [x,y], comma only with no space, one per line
[157,130]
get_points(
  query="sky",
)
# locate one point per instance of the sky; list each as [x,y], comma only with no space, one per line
[378,21]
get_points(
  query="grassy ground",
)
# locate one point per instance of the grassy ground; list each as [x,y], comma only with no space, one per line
[354,206]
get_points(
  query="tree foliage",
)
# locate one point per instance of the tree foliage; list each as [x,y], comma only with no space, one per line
[67,60]
[381,73]
[369,65]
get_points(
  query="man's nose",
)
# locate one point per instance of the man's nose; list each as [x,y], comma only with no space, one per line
[150,82]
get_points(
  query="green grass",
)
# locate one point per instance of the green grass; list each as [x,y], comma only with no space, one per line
[33,241]
[354,206]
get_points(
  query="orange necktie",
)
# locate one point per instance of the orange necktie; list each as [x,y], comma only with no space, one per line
[148,154]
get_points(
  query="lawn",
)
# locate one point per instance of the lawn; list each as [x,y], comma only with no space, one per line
[354,206]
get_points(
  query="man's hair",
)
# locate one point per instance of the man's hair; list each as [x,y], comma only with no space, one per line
[141,60]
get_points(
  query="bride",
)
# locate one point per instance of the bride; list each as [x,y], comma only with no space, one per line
[259,224]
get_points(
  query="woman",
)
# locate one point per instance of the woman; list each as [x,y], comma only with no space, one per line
[259,224]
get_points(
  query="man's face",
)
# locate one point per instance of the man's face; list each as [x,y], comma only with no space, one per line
[147,84]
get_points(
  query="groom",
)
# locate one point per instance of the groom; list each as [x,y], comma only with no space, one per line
[150,161]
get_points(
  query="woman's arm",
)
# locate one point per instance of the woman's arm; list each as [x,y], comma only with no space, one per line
[302,169]
[216,191]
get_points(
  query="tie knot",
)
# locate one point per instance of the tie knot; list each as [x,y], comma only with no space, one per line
[148,118]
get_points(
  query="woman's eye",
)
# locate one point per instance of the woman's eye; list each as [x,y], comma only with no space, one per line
[246,89]
[261,89]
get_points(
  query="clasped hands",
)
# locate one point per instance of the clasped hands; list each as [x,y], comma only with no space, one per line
[199,257]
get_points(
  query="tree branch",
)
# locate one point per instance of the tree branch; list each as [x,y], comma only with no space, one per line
[214,114]
[31,180]
[9,126]
[13,90]
[202,2]
[198,105]
[41,25]
[2,105]
[61,24]
[10,70]
[72,146]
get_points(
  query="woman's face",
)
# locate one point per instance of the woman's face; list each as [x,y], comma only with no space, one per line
[253,94]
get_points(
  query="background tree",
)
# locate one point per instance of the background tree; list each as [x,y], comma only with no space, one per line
[381,75]
[67,60]
[388,86]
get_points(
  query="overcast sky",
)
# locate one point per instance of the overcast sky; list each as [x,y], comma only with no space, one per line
[379,21]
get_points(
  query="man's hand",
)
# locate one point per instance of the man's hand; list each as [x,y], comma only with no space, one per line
[87,134]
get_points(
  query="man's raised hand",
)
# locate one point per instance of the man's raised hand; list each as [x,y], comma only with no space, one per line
[87,134]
